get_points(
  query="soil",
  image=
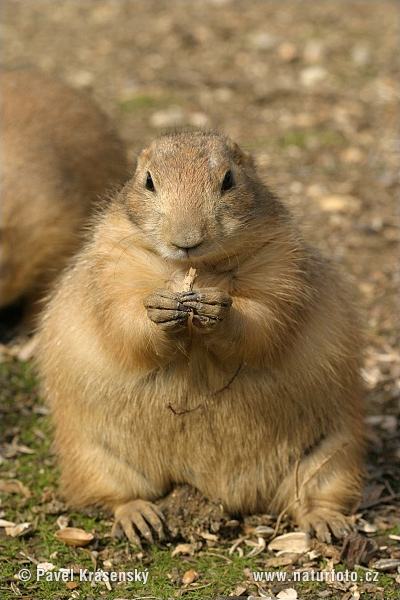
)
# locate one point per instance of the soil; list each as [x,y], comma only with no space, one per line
[312,89]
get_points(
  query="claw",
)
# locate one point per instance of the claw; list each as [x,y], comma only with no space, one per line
[134,518]
[325,523]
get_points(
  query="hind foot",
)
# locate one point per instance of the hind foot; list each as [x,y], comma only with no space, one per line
[324,522]
[133,520]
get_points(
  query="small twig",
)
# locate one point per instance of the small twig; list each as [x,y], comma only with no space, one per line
[32,560]
[194,588]
[389,487]
[303,483]
[296,479]
[228,560]
[92,557]
[185,410]
[189,280]
[382,500]
[236,544]
[224,387]
[228,383]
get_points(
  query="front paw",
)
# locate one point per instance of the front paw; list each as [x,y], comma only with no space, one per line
[209,305]
[166,309]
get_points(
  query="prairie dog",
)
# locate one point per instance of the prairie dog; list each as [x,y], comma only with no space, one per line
[256,401]
[59,153]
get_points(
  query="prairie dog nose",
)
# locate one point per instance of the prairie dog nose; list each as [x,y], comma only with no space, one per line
[188,240]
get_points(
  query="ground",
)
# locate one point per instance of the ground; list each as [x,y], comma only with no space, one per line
[312,89]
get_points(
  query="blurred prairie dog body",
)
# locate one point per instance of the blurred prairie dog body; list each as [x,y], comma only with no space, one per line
[256,402]
[59,153]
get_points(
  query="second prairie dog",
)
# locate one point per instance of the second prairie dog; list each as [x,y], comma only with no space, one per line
[59,153]
[257,402]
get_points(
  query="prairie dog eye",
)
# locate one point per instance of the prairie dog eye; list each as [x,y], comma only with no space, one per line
[149,183]
[227,183]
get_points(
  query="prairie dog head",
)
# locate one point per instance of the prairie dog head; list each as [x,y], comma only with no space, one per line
[193,194]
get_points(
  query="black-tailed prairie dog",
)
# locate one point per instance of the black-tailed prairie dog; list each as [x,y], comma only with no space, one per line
[59,153]
[239,376]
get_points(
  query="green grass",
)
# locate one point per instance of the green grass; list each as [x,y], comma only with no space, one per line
[143,101]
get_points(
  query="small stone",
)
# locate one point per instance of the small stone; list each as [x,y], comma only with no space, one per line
[361,55]
[288,594]
[189,577]
[314,51]
[337,203]
[288,52]
[200,120]
[352,155]
[310,76]
[81,79]
[261,40]
[171,117]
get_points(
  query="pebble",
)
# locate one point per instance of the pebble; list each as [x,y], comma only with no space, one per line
[178,117]
[261,40]
[361,56]
[352,155]
[337,203]
[310,76]
[288,594]
[288,52]
[170,117]
[81,79]
[314,51]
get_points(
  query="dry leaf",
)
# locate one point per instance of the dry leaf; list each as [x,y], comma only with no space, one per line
[211,537]
[295,542]
[239,590]
[188,549]
[71,585]
[386,564]
[278,561]
[4,523]
[19,530]
[366,527]
[189,576]
[288,594]
[11,450]
[358,550]
[46,566]
[13,486]
[73,536]
[62,521]
[264,531]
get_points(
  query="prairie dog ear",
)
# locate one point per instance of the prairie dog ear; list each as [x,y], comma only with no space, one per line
[241,157]
[146,153]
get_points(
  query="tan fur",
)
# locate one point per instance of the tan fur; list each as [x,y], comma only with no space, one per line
[259,407]
[58,154]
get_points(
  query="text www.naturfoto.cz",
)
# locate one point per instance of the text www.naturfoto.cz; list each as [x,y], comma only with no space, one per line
[320,576]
